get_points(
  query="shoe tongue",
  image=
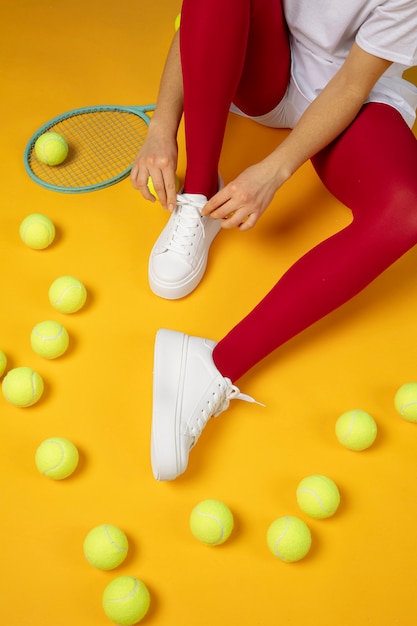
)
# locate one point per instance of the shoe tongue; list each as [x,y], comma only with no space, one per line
[196,200]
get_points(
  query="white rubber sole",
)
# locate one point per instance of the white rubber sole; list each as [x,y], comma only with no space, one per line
[169,366]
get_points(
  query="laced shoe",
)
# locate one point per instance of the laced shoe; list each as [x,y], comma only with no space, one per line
[188,390]
[178,259]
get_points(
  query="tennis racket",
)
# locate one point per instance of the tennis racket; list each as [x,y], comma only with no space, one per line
[103,144]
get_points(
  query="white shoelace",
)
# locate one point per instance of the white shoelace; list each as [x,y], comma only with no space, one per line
[219,402]
[187,221]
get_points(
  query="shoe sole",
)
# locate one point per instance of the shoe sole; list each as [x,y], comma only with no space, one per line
[178,290]
[170,346]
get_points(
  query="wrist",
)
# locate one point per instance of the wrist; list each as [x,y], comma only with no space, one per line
[163,123]
[278,167]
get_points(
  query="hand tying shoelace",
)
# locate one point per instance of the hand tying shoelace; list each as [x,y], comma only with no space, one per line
[187,221]
[179,257]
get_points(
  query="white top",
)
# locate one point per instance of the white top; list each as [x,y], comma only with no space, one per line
[323,32]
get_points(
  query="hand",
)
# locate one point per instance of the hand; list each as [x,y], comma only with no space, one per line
[157,159]
[241,203]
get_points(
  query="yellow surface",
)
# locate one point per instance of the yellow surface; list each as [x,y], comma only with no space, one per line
[363,567]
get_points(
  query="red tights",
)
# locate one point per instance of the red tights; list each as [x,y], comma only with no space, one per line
[371,167]
[224,45]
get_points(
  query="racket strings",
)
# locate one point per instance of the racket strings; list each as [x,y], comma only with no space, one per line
[102,146]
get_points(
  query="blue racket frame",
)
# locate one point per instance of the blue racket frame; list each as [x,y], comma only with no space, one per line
[140,111]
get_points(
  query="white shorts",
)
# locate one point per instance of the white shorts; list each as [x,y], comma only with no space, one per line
[287,112]
[308,72]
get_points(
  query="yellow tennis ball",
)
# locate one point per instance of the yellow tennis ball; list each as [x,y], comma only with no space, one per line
[67,294]
[318,496]
[289,538]
[37,231]
[405,401]
[105,547]
[49,339]
[177,22]
[356,430]
[51,148]
[211,522]
[22,386]
[152,188]
[57,458]
[3,362]
[126,600]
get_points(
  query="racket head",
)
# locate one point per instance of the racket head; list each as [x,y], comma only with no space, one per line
[103,143]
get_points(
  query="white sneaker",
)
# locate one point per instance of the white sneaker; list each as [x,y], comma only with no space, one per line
[178,259]
[188,390]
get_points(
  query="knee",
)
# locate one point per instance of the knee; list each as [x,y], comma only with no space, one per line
[397,213]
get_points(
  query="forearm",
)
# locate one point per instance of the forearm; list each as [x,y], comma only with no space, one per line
[332,111]
[157,159]
[328,116]
[169,107]
[243,200]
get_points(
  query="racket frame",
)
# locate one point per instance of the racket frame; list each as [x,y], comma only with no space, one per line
[140,111]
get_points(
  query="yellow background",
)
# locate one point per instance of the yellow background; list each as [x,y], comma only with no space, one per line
[362,568]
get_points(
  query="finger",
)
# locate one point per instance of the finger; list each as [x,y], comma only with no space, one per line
[139,179]
[234,219]
[248,222]
[156,186]
[144,190]
[224,212]
[133,175]
[170,181]
[215,203]
[142,185]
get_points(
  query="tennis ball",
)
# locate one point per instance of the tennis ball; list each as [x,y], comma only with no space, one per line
[126,600]
[49,339]
[37,231]
[177,21]
[405,401]
[51,148]
[318,496]
[289,538]
[356,430]
[3,362]
[56,458]
[22,386]
[211,522]
[67,294]
[152,188]
[105,547]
